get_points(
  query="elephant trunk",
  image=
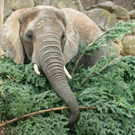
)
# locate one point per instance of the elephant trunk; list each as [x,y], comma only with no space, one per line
[51,62]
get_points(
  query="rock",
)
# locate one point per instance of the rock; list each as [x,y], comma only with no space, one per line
[133,29]
[63,4]
[121,20]
[76,4]
[129,45]
[102,18]
[108,5]
[12,5]
[87,4]
[91,7]
[7,8]
[17,4]
[41,2]
[128,4]
[121,13]
[119,47]
[132,14]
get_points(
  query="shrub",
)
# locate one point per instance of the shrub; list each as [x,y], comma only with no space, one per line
[106,92]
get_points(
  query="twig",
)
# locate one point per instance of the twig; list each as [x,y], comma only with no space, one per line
[104,67]
[111,62]
[38,112]
[85,107]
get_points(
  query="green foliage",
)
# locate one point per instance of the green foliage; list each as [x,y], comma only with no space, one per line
[108,86]
[39,125]
[112,92]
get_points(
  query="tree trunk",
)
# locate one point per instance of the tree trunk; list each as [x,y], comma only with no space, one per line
[1,12]
[1,24]
[1,19]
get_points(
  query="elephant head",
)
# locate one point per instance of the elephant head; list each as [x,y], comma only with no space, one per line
[49,40]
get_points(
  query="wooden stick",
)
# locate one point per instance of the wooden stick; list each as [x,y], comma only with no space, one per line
[38,112]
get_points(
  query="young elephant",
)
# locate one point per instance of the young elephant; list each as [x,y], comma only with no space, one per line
[50,37]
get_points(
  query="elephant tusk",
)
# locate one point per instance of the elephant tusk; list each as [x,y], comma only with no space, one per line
[67,73]
[36,69]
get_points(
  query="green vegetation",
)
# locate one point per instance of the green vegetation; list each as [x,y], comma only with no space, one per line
[109,87]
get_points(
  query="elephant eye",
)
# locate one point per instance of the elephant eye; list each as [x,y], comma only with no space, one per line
[63,40]
[63,36]
[29,36]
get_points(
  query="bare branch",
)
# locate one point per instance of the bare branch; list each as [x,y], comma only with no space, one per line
[38,112]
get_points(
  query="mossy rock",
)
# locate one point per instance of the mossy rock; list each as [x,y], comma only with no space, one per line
[129,45]
[121,13]
[63,4]
[102,18]
[132,14]
[108,5]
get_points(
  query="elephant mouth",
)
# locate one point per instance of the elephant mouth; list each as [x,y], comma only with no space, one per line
[65,71]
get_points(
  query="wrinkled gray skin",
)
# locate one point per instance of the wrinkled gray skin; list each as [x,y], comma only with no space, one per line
[50,39]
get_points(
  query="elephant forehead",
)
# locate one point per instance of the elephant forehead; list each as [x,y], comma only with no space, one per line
[44,22]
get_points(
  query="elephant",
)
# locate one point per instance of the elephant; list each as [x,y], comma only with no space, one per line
[49,37]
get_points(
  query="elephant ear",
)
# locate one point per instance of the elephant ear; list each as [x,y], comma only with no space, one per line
[72,41]
[9,38]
